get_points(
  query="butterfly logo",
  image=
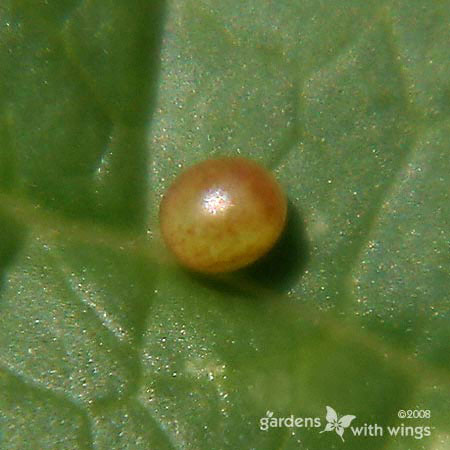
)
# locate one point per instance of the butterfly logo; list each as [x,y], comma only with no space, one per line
[337,425]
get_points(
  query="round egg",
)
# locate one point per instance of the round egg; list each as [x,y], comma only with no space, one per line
[222,214]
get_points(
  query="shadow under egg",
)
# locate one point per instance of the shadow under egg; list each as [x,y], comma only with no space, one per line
[286,261]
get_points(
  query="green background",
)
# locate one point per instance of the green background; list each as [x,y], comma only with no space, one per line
[104,342]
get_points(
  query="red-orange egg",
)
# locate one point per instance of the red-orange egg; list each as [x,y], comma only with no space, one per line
[222,214]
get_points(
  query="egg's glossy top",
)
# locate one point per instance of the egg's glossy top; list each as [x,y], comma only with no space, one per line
[222,214]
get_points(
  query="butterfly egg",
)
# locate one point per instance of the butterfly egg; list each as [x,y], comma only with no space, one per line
[222,214]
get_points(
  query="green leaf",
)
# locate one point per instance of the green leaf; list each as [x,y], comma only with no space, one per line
[105,342]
